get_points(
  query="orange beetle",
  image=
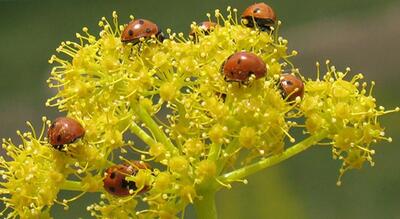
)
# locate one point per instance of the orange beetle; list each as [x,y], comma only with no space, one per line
[64,131]
[205,26]
[262,14]
[115,182]
[139,28]
[291,87]
[241,65]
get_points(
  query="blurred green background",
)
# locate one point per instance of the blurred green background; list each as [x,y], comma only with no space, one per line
[362,34]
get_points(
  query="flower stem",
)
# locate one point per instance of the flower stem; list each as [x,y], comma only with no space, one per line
[270,161]
[205,207]
[214,151]
[71,185]
[142,134]
[154,128]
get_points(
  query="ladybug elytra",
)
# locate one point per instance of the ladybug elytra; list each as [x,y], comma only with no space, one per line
[205,26]
[139,28]
[64,131]
[115,182]
[241,65]
[291,87]
[260,13]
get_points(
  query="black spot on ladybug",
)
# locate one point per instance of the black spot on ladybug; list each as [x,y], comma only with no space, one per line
[148,30]
[112,189]
[112,175]
[130,32]
[239,61]
[141,21]
[53,125]
[59,138]
[288,82]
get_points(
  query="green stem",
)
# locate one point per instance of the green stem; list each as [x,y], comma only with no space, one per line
[142,134]
[205,207]
[232,146]
[270,161]
[214,151]
[155,129]
[72,185]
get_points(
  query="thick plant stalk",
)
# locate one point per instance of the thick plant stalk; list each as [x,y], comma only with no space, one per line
[265,163]
[206,206]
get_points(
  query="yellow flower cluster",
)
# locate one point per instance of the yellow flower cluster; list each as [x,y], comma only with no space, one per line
[31,176]
[348,112]
[166,102]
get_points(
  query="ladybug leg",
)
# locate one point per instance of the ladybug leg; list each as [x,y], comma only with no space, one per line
[59,147]
[229,80]
[160,36]
[265,28]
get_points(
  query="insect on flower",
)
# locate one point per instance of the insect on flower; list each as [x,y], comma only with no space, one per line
[205,26]
[115,182]
[241,65]
[291,87]
[139,28]
[262,14]
[64,131]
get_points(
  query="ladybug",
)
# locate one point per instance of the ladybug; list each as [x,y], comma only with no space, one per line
[139,28]
[64,131]
[241,65]
[115,182]
[205,26]
[262,14]
[291,87]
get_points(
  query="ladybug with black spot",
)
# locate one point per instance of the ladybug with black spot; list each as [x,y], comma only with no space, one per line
[115,182]
[241,65]
[64,131]
[206,27]
[139,28]
[260,13]
[291,87]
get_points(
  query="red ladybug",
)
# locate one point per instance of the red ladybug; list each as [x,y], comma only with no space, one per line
[291,87]
[262,14]
[205,26]
[115,182]
[64,131]
[241,65]
[139,28]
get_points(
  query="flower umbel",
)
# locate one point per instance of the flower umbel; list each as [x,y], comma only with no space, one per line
[170,119]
